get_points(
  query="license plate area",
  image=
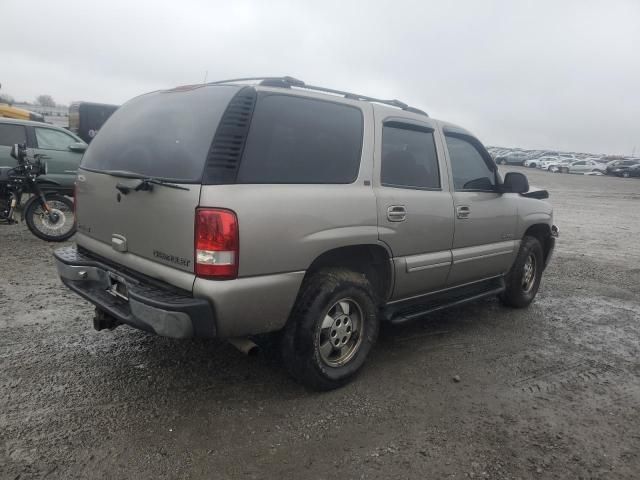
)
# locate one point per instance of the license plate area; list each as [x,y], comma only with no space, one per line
[117,286]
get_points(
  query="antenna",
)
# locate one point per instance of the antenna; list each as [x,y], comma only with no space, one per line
[206,74]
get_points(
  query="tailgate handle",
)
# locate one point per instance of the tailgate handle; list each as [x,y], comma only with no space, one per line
[118,242]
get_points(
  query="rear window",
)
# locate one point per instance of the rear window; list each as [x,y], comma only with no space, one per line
[12,134]
[163,134]
[301,140]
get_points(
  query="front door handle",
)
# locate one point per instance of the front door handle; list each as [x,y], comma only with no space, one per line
[396,213]
[463,211]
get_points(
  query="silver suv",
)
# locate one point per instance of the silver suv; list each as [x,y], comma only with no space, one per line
[235,209]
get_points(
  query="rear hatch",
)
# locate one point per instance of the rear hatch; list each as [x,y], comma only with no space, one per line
[139,182]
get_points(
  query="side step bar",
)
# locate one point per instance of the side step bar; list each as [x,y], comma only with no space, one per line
[406,311]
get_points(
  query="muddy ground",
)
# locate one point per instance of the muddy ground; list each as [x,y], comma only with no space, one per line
[552,391]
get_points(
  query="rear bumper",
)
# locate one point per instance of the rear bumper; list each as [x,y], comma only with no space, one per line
[151,306]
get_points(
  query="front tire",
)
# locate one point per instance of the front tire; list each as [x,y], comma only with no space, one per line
[331,330]
[42,226]
[524,277]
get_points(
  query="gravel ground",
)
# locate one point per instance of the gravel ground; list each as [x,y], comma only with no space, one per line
[552,391]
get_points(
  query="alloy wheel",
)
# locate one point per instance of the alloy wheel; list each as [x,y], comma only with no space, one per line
[340,334]
[529,273]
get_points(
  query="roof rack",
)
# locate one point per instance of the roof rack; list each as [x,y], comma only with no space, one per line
[288,82]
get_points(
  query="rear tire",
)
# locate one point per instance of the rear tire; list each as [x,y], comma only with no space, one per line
[625,174]
[331,330]
[40,225]
[523,280]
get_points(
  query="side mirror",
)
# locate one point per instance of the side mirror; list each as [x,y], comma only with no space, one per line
[19,152]
[78,147]
[515,182]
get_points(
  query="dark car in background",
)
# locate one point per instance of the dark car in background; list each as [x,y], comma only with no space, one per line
[626,170]
[61,150]
[86,118]
[616,164]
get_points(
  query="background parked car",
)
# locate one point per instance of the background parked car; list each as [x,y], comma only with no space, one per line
[545,163]
[62,150]
[556,166]
[582,166]
[619,163]
[567,156]
[627,170]
[513,158]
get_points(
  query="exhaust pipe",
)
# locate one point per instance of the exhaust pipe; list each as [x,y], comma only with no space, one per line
[245,345]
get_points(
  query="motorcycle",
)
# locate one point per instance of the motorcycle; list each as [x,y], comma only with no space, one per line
[49,216]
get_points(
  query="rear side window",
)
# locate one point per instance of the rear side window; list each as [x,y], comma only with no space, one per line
[163,134]
[470,171]
[12,134]
[409,158]
[302,140]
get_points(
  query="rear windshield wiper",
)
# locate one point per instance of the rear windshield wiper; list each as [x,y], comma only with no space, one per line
[145,184]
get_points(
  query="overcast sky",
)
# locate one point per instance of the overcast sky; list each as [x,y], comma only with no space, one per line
[537,74]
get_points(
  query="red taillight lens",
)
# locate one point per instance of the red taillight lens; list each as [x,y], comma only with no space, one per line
[217,244]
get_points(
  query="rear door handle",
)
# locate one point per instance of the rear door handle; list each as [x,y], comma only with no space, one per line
[396,213]
[463,211]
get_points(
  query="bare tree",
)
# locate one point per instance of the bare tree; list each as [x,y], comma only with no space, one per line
[45,101]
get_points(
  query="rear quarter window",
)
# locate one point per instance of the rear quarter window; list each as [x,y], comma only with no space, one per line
[11,134]
[302,140]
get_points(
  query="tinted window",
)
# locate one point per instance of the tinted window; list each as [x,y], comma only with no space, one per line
[162,134]
[301,140]
[50,139]
[12,134]
[409,158]
[470,171]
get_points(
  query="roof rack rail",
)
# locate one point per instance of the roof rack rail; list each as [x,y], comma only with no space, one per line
[288,82]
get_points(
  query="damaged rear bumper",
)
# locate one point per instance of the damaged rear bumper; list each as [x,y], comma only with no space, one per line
[133,300]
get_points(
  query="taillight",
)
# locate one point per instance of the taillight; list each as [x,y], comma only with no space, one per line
[216,243]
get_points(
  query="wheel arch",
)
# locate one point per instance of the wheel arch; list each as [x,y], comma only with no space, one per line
[541,231]
[372,260]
